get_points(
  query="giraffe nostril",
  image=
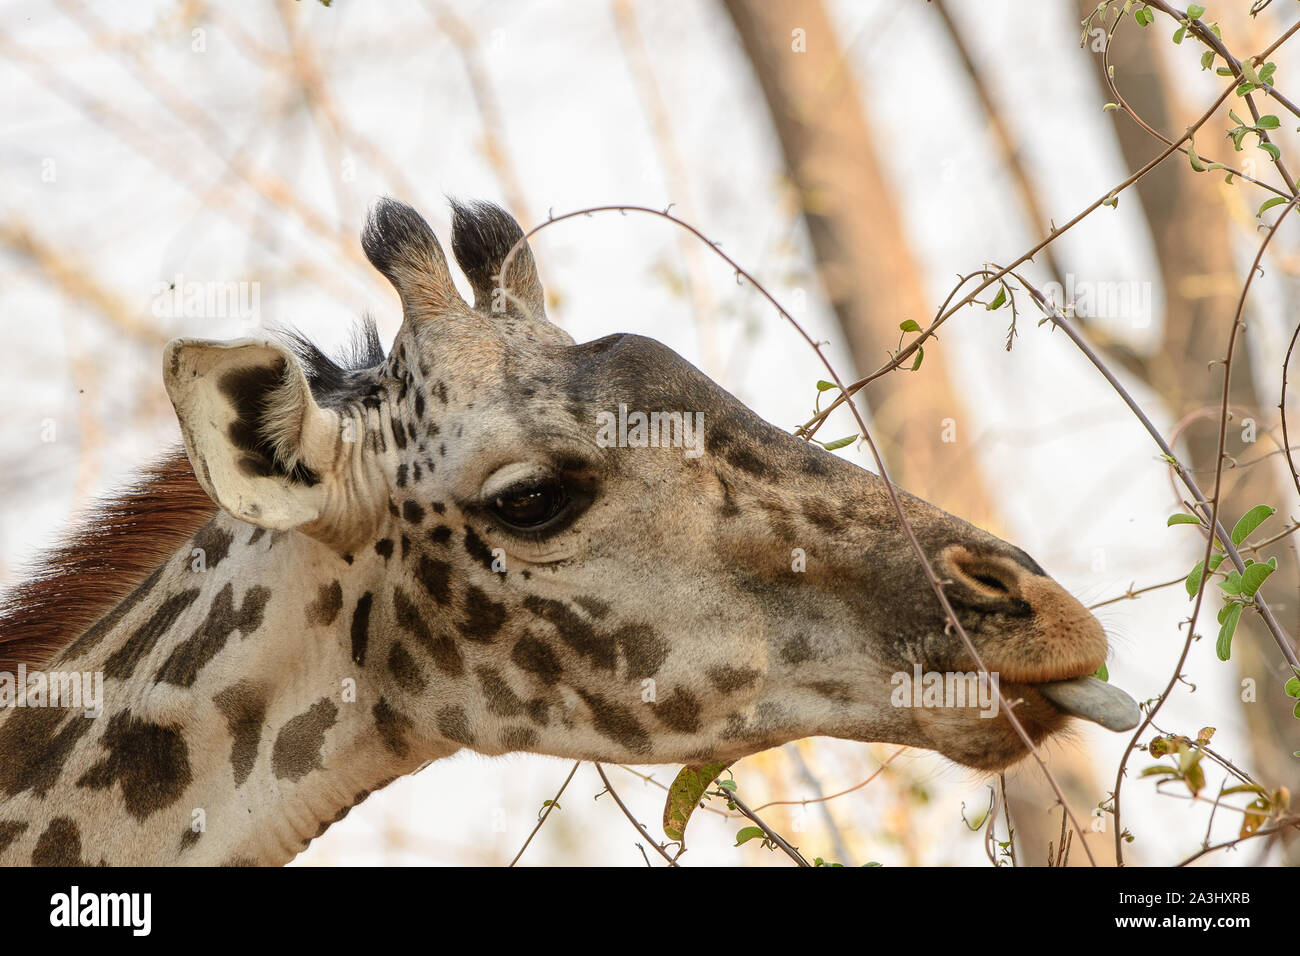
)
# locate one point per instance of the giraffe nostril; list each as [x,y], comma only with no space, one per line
[986,576]
[991,582]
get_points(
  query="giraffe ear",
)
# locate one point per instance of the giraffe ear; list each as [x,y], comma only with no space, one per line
[260,445]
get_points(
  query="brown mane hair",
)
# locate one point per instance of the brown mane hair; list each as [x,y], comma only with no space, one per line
[101,561]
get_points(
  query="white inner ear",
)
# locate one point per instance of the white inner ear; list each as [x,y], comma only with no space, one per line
[296,430]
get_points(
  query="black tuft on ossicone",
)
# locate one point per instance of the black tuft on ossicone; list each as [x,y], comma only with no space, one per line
[396,234]
[482,234]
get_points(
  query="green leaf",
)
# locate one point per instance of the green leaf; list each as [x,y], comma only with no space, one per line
[839,442]
[909,325]
[920,357]
[1207,59]
[684,796]
[1195,11]
[1179,34]
[1223,647]
[1251,520]
[1160,771]
[1269,204]
[823,386]
[1195,160]
[999,300]
[1254,576]
[1101,673]
[1144,16]
[1293,687]
[1181,518]
[1268,121]
[1196,578]
[1272,150]
[1232,585]
[1194,774]
[749,833]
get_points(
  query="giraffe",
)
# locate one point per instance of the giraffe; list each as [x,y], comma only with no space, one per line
[357,567]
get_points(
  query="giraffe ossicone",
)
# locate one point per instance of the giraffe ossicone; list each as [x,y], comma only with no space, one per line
[358,567]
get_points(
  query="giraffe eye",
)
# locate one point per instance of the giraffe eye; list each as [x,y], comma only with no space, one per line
[530,506]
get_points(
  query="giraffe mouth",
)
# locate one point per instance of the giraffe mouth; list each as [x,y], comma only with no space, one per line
[1092,699]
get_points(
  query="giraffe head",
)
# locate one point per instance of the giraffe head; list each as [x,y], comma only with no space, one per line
[593,551]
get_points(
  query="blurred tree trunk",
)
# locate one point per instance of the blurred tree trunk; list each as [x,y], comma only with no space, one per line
[874,283]
[1192,231]
[864,258]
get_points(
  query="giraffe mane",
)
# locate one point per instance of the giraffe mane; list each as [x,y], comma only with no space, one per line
[126,537]
[101,561]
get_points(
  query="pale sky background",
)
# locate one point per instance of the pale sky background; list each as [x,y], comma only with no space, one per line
[96,161]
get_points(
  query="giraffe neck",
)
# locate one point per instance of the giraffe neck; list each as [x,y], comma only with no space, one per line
[237,722]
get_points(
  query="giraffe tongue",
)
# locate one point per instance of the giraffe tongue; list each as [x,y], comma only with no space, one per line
[1093,699]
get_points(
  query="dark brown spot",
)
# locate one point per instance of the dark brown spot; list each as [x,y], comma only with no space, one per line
[797,650]
[575,631]
[679,711]
[483,616]
[326,607]
[454,725]
[188,658]
[446,655]
[121,664]
[820,514]
[616,722]
[360,630]
[59,845]
[501,700]
[10,830]
[298,745]
[593,606]
[433,576]
[412,512]
[150,762]
[215,542]
[245,711]
[32,755]
[831,689]
[384,548]
[537,658]
[538,711]
[727,678]
[393,727]
[643,650]
[404,670]
[476,549]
